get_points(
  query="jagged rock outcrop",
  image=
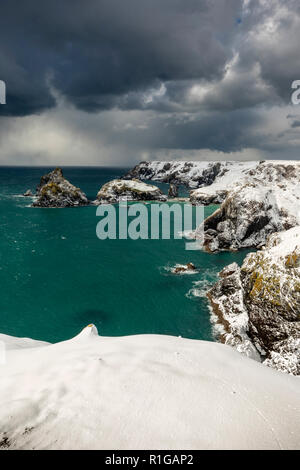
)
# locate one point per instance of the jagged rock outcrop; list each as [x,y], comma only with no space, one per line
[267,201]
[128,190]
[188,268]
[56,191]
[173,191]
[258,305]
[191,174]
[28,193]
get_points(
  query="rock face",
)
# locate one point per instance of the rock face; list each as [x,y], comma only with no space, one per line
[258,305]
[173,191]
[267,201]
[55,191]
[128,190]
[191,174]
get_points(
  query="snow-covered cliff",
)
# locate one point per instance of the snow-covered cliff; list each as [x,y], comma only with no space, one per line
[192,174]
[258,305]
[265,201]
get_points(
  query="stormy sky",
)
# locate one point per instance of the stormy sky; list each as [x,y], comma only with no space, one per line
[113,82]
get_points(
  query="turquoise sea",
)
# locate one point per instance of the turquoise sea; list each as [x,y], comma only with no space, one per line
[56,276]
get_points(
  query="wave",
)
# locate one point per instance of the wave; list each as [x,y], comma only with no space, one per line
[201,287]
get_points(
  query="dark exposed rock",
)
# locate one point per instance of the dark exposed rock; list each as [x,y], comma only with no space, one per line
[55,191]
[173,191]
[184,268]
[28,193]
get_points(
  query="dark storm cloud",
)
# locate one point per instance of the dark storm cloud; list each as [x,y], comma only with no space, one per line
[102,54]
[228,132]
[97,51]
[148,76]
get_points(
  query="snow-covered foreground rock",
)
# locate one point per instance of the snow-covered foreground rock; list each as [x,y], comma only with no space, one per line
[132,190]
[143,392]
[258,305]
[266,201]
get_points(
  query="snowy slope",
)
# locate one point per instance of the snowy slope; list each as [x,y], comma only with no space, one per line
[153,392]
[265,201]
[270,173]
[192,174]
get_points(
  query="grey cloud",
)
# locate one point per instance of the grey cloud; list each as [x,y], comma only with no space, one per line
[143,76]
[99,50]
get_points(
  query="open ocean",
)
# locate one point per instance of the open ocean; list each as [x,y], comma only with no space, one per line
[56,276]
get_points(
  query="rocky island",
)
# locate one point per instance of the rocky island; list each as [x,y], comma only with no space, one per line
[56,191]
[128,190]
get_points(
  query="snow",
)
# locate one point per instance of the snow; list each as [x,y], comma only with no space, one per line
[189,172]
[283,243]
[143,392]
[234,172]
[238,174]
[130,184]
[122,190]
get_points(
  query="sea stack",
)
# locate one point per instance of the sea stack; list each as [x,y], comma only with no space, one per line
[173,191]
[128,190]
[56,191]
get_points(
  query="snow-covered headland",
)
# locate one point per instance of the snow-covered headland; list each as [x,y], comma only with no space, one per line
[266,200]
[192,174]
[142,392]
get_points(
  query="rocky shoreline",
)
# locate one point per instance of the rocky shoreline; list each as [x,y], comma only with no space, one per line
[258,304]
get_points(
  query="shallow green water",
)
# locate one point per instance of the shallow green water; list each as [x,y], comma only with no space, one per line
[56,276]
